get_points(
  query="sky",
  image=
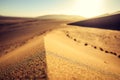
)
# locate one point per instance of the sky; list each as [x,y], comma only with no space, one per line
[34,8]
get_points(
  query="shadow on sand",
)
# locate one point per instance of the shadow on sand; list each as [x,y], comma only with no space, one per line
[107,22]
[33,67]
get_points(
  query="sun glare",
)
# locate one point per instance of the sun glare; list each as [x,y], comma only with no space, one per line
[88,8]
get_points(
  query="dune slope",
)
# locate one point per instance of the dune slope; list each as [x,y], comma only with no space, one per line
[27,62]
[71,58]
[66,53]
[110,22]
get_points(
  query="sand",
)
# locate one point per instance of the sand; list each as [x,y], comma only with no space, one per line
[13,36]
[27,62]
[53,50]
[71,59]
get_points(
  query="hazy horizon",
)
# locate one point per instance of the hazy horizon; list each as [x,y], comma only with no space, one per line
[34,8]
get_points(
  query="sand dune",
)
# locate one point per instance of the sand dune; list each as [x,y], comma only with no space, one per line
[110,22]
[27,62]
[72,18]
[75,60]
[16,35]
[51,49]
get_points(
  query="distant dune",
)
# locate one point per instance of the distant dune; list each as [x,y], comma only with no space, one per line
[14,18]
[108,14]
[62,17]
[7,20]
[105,22]
[15,32]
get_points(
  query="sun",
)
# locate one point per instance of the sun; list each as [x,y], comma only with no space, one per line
[88,8]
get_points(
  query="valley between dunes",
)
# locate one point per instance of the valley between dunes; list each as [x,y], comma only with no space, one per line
[55,50]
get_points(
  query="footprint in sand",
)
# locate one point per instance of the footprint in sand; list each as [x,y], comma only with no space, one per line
[86,44]
[105,62]
[75,39]
[68,35]
[106,52]
[113,53]
[101,49]
[118,56]
[95,47]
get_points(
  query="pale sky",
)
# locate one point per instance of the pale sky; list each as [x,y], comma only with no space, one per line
[34,8]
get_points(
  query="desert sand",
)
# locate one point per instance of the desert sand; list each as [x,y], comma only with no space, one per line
[71,57]
[50,49]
